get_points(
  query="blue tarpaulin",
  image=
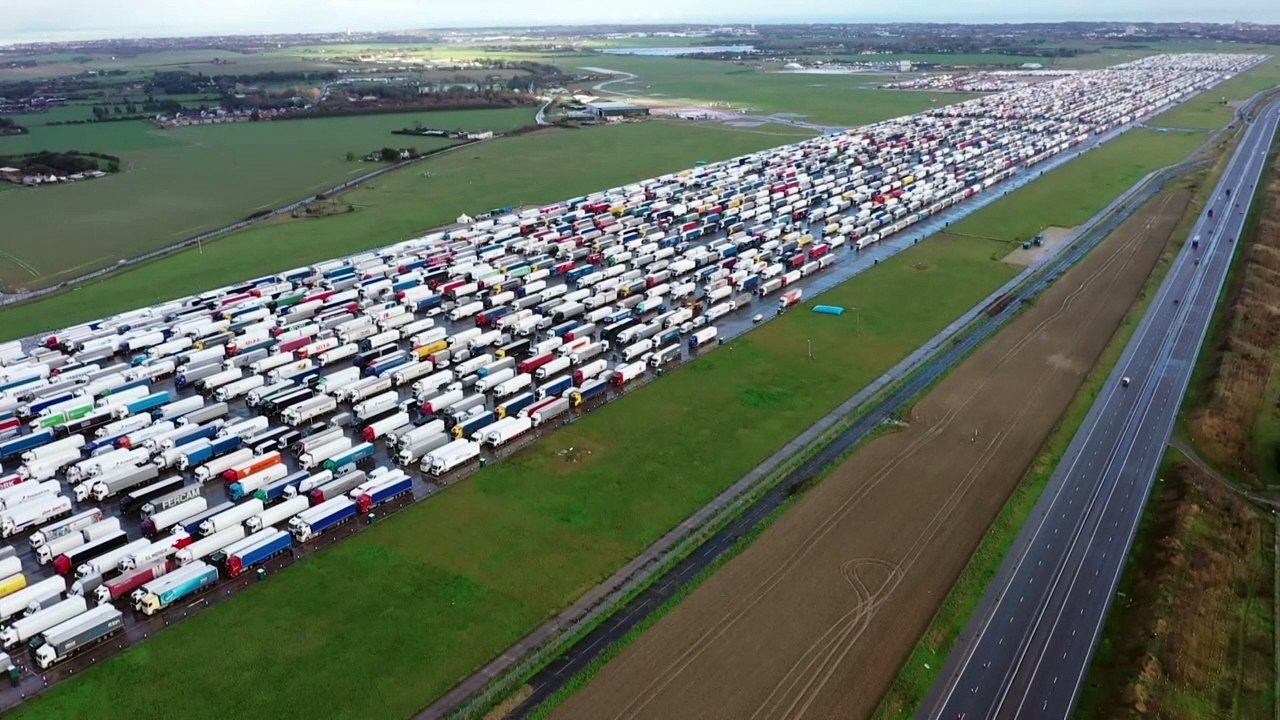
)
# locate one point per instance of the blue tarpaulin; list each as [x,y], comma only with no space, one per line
[828,309]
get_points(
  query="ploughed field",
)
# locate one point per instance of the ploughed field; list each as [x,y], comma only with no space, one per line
[815,617]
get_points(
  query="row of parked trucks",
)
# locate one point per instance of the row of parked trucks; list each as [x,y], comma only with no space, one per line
[147,456]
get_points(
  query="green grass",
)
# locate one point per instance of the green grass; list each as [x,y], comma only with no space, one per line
[833,99]
[542,167]
[1071,195]
[179,182]
[1207,111]
[921,668]
[431,593]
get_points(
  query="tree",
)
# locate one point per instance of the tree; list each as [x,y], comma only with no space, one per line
[390,154]
[351,156]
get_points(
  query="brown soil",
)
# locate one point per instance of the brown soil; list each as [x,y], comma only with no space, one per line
[1243,347]
[815,617]
[1053,237]
[1190,635]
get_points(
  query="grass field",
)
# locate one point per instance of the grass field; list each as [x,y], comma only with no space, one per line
[834,99]
[1073,194]
[432,592]
[542,167]
[179,182]
[1207,110]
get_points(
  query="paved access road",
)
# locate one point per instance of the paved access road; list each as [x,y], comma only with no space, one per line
[1028,646]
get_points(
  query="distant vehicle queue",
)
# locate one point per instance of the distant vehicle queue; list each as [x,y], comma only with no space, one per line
[150,455]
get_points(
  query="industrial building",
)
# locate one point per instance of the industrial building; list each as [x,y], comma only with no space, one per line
[606,110]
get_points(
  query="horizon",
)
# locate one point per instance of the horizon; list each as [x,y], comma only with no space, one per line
[89,20]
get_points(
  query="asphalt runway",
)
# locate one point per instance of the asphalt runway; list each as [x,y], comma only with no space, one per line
[1027,648]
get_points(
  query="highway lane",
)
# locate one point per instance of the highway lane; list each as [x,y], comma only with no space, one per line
[1027,648]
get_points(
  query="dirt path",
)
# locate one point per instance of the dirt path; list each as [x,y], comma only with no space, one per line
[815,617]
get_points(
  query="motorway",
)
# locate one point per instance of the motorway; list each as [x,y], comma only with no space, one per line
[1027,648]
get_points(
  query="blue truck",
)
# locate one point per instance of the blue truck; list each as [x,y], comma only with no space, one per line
[273,542]
[329,514]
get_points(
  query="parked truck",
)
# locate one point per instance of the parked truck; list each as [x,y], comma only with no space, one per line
[311,523]
[28,627]
[261,546]
[70,637]
[181,583]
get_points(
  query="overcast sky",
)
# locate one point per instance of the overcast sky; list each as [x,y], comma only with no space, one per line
[66,19]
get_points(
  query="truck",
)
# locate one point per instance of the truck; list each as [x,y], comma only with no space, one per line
[279,489]
[232,516]
[31,514]
[70,525]
[350,458]
[506,430]
[133,500]
[432,383]
[253,465]
[21,493]
[702,337]
[472,424]
[262,546]
[624,374]
[789,298]
[218,465]
[68,561]
[308,410]
[118,481]
[310,524]
[67,638]
[411,453]
[126,583]
[251,484]
[28,627]
[18,599]
[162,520]
[384,425]
[451,456]
[317,456]
[168,500]
[338,486]
[205,546]
[592,389]
[547,410]
[384,490]
[277,513]
[109,561]
[662,356]
[182,583]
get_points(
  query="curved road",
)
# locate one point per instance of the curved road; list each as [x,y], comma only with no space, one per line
[1028,646]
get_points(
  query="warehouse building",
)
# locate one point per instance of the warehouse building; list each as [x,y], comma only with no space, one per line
[607,110]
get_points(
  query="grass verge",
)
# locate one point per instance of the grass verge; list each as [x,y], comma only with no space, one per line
[1191,634]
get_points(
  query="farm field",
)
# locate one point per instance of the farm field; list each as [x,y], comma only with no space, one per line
[176,183]
[1207,110]
[1071,195]
[870,552]
[430,593]
[540,167]
[832,99]
[1191,634]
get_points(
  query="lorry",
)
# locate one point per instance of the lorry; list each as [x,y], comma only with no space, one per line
[384,489]
[181,583]
[449,457]
[250,484]
[17,600]
[277,513]
[340,485]
[169,500]
[162,520]
[108,562]
[327,515]
[506,430]
[208,545]
[127,582]
[29,515]
[233,516]
[73,524]
[28,627]
[262,546]
[83,631]
[350,458]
